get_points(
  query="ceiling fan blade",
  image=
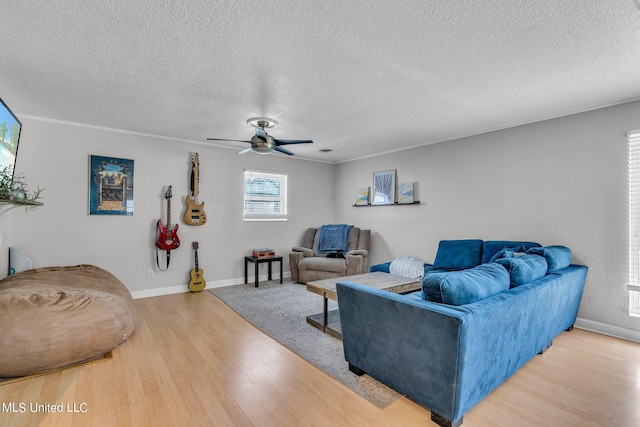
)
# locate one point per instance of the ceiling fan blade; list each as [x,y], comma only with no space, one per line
[292,141]
[246,150]
[284,150]
[222,139]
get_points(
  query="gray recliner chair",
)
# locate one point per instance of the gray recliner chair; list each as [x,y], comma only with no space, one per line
[307,264]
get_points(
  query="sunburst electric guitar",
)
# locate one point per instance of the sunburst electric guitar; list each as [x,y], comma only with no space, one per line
[197,282]
[168,237]
[194,215]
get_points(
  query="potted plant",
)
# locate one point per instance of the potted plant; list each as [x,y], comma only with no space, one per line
[13,189]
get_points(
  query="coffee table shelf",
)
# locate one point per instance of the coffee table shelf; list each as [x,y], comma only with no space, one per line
[329,321]
[332,326]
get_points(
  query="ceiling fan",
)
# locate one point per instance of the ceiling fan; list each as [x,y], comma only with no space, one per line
[263,143]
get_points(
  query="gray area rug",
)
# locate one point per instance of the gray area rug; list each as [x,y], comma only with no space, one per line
[280,311]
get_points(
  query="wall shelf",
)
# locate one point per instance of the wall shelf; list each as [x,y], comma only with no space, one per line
[394,204]
[12,202]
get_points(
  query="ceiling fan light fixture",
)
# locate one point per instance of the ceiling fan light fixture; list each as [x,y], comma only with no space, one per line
[261,142]
[263,147]
[262,122]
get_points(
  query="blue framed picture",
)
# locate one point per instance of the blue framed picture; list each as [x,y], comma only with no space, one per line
[110,186]
[384,188]
[405,193]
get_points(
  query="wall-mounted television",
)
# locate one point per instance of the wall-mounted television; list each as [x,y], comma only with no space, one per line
[10,128]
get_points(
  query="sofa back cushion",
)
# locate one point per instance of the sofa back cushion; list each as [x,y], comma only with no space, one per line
[458,254]
[465,286]
[492,247]
[557,257]
[524,269]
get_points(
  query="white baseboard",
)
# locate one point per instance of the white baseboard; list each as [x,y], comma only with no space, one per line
[170,290]
[603,328]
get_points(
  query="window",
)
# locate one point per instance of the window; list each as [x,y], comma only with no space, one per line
[265,196]
[634,221]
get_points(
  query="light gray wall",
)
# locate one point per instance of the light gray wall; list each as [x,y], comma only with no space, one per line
[560,181]
[56,156]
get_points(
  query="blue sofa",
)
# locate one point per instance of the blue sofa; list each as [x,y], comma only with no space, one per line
[471,326]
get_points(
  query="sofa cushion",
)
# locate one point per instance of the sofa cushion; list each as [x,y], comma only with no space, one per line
[558,257]
[458,254]
[524,269]
[334,265]
[465,286]
[491,247]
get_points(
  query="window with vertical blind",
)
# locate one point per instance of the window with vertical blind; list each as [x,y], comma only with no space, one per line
[633,158]
[265,196]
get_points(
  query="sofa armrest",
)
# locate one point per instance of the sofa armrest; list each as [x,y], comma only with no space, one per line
[406,343]
[294,258]
[306,252]
[357,262]
[385,267]
[358,252]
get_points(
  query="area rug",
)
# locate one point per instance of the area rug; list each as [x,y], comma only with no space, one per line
[280,311]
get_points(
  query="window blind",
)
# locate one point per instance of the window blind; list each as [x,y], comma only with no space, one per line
[634,211]
[265,196]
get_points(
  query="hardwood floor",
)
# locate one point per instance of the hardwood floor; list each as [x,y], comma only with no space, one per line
[193,362]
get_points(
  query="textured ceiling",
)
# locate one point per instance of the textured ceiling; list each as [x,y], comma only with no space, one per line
[358,77]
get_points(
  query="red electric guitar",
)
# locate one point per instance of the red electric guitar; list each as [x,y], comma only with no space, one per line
[168,238]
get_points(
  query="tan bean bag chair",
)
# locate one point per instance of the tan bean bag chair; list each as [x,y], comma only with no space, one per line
[54,317]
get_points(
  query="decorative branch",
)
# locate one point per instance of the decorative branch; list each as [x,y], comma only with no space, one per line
[13,188]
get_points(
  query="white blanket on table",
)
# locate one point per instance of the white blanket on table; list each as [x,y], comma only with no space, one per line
[407,266]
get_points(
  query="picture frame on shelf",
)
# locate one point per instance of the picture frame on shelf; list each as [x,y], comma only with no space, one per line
[362,196]
[405,193]
[384,188]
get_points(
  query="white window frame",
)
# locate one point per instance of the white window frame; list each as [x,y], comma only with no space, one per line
[633,186]
[282,198]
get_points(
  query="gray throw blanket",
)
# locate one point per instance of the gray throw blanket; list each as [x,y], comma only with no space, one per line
[334,237]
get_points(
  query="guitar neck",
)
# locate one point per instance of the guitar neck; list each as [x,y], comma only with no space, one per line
[196,180]
[169,213]
[197,269]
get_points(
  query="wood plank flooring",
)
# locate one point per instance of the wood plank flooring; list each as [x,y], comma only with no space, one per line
[192,361]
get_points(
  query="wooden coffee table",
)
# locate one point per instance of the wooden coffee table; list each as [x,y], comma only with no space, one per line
[329,321]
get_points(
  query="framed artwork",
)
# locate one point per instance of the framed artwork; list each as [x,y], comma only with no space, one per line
[362,196]
[110,186]
[405,193]
[384,188]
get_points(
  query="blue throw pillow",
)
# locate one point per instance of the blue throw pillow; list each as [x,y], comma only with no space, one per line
[502,253]
[465,286]
[458,254]
[524,269]
[491,247]
[558,257]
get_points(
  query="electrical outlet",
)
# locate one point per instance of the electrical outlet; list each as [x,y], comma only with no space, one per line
[149,274]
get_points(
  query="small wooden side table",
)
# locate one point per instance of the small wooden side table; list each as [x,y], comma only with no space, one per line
[257,262]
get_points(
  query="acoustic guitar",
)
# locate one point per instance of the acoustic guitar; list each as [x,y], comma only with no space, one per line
[168,237]
[194,215]
[197,282]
